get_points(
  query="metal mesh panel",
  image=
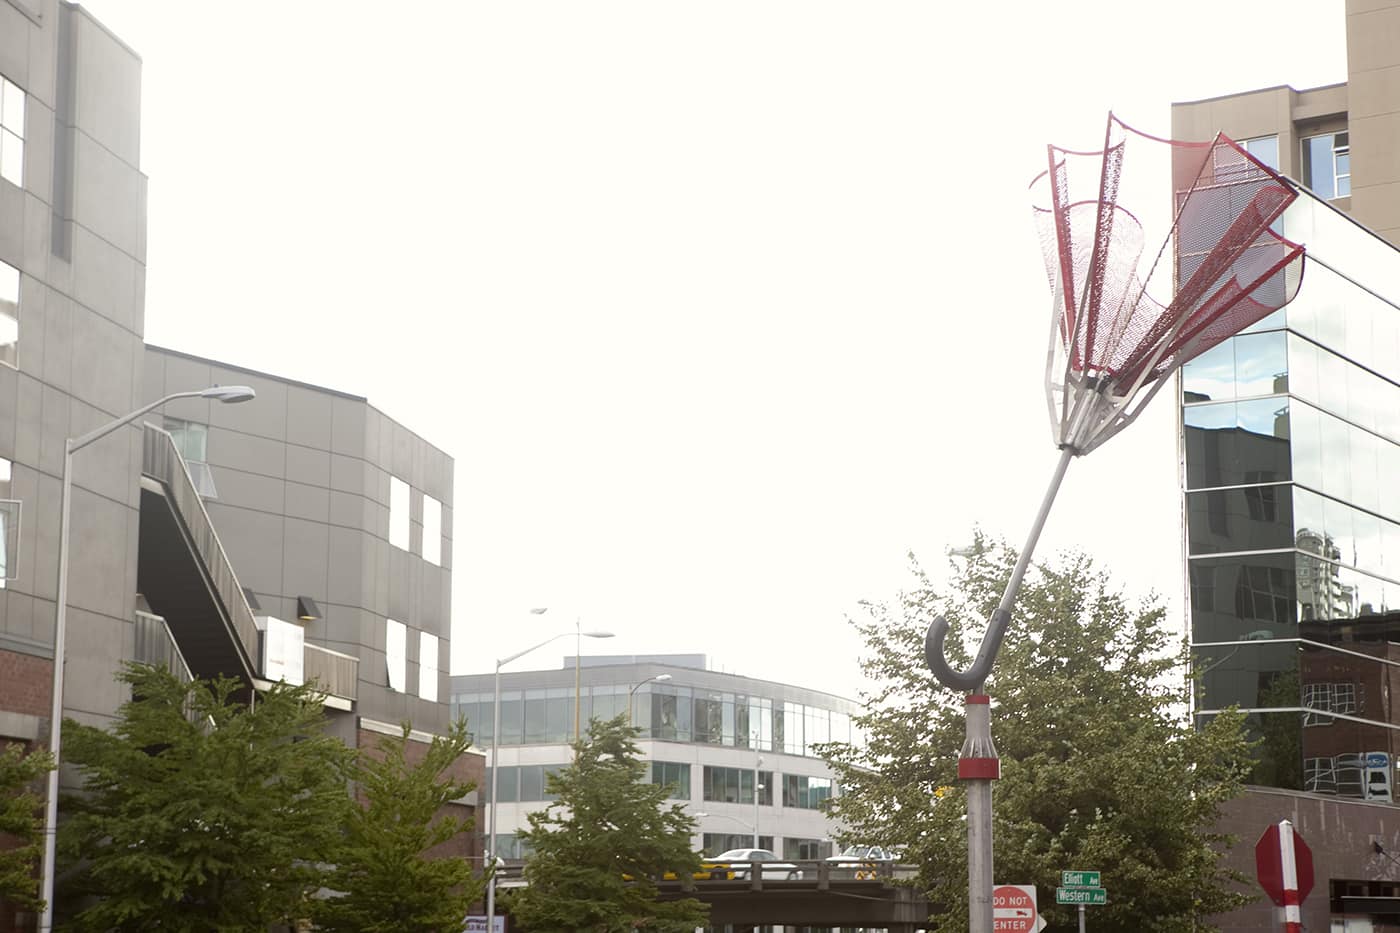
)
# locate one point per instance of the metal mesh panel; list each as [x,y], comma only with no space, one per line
[1111,339]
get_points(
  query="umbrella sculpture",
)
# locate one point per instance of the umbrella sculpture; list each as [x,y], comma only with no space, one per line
[1112,346]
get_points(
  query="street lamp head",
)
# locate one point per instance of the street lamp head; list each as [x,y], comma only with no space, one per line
[597,634]
[660,678]
[229,394]
[540,611]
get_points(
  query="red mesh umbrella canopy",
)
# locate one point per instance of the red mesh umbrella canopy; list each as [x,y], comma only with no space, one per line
[1112,343]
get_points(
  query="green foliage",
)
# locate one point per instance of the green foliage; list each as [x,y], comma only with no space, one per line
[201,812]
[390,885]
[1100,768]
[607,823]
[21,819]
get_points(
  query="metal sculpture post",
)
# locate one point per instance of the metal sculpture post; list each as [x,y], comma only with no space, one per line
[1111,349]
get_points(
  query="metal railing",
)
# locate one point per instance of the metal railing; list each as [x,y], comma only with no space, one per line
[162,462]
[337,673]
[156,646]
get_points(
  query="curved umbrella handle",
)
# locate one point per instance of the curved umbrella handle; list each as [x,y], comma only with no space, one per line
[970,680]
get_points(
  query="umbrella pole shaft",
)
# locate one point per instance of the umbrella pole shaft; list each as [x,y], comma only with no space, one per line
[1013,585]
[979,743]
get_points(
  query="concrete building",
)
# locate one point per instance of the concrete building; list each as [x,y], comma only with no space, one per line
[1291,451]
[712,736]
[303,534]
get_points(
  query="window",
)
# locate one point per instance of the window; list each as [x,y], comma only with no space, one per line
[735,785]
[427,666]
[11,132]
[9,313]
[283,650]
[522,783]
[1332,697]
[192,441]
[715,843]
[1265,149]
[398,513]
[802,848]
[1327,165]
[432,530]
[396,653]
[9,526]
[805,793]
[674,773]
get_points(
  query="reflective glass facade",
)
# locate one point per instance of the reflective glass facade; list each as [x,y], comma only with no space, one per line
[674,713]
[1291,439]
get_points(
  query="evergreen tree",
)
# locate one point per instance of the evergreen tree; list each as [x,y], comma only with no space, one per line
[21,819]
[201,812]
[390,883]
[1100,768]
[599,847]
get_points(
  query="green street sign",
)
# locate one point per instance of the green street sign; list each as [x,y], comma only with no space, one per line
[1079,879]
[1096,897]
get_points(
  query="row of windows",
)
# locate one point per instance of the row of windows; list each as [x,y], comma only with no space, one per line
[1256,518]
[396,658]
[1350,759]
[527,783]
[1253,365]
[511,846]
[665,711]
[1359,323]
[1274,439]
[1326,161]
[400,497]
[1283,595]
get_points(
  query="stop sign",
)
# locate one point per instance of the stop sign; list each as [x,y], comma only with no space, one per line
[1284,864]
[1013,908]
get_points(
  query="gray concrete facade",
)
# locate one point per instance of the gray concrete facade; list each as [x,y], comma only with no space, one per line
[302,509]
[303,473]
[75,230]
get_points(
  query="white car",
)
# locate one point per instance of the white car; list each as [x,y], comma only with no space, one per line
[860,862]
[772,867]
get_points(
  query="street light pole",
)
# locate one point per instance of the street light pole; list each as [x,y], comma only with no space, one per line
[654,678]
[495,763]
[758,763]
[71,446]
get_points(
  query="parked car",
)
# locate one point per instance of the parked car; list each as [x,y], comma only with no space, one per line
[772,866]
[860,861]
[709,870]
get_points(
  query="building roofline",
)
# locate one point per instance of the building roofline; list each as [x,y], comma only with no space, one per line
[87,14]
[1258,90]
[505,675]
[224,364]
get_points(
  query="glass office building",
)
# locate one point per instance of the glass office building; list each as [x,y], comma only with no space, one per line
[1291,442]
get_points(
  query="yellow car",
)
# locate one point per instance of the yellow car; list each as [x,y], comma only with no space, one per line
[709,870]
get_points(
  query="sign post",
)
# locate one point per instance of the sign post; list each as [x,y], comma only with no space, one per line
[1285,868]
[1081,888]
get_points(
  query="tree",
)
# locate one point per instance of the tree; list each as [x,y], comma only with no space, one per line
[22,821]
[390,883]
[201,812]
[600,846]
[1100,767]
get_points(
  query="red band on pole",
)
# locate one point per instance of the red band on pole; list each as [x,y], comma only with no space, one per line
[975,769]
[978,698]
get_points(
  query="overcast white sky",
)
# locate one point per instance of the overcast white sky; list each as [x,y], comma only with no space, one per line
[721,307]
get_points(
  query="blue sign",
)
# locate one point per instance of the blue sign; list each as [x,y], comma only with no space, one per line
[1377,760]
